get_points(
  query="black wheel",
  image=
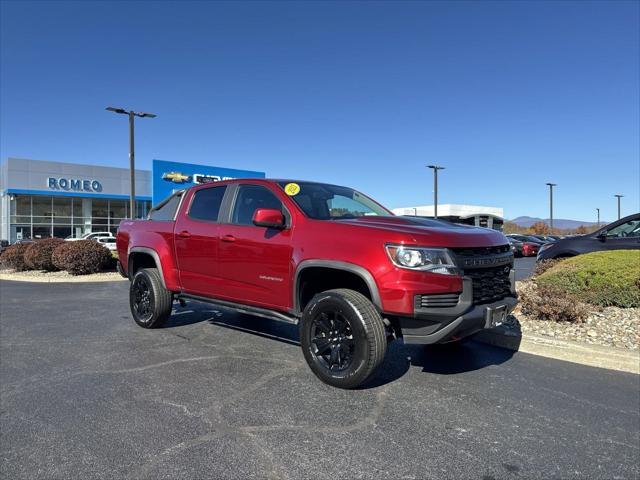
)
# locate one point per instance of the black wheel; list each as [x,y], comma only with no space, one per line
[149,301]
[343,337]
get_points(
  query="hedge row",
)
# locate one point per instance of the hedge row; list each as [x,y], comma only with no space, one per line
[78,258]
[604,279]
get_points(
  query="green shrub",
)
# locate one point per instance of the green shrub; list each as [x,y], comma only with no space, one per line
[13,257]
[601,278]
[82,257]
[549,302]
[38,255]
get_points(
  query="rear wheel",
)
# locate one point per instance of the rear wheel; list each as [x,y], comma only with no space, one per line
[343,337]
[149,301]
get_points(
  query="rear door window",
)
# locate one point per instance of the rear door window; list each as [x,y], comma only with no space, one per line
[206,204]
[166,210]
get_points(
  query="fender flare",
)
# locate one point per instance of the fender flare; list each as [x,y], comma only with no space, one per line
[361,272]
[147,251]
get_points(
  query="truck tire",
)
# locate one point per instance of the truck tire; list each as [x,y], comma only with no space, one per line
[149,301]
[343,337]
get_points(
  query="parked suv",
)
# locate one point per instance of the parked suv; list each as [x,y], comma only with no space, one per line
[334,261]
[621,235]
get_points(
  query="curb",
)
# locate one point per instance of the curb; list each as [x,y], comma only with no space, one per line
[44,279]
[611,358]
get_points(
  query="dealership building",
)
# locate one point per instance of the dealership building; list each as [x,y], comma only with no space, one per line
[488,217]
[40,199]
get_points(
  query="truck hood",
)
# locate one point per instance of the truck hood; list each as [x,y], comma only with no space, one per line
[430,232]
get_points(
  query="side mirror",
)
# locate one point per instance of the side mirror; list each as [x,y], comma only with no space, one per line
[602,236]
[268,217]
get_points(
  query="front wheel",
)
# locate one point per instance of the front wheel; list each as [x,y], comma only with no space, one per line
[343,337]
[149,301]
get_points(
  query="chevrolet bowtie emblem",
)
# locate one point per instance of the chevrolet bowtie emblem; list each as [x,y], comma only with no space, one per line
[176,177]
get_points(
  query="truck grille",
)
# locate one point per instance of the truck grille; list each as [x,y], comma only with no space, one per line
[437,300]
[489,284]
[481,251]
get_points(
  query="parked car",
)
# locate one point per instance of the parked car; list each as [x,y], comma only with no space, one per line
[621,235]
[516,246]
[109,242]
[348,271]
[544,238]
[527,238]
[89,236]
[530,249]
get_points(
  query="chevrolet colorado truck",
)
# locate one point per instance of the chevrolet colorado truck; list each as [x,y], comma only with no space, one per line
[349,272]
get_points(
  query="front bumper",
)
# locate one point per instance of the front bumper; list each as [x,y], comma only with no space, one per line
[439,325]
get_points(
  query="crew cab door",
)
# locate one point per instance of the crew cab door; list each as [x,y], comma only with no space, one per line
[197,236]
[255,261]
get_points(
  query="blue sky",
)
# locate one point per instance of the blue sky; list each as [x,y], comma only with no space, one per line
[506,95]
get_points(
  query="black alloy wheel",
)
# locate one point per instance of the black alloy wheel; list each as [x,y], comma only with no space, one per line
[150,302]
[333,342]
[142,301]
[343,337]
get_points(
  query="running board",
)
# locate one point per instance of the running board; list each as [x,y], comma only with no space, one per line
[257,311]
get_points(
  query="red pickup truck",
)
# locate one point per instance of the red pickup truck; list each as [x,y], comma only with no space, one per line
[347,270]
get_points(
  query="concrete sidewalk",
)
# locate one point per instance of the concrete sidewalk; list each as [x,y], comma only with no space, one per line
[600,356]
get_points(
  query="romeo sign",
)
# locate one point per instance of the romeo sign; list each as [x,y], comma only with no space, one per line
[73,184]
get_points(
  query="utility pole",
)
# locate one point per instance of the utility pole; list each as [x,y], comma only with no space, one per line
[132,162]
[551,185]
[435,169]
[598,210]
[618,197]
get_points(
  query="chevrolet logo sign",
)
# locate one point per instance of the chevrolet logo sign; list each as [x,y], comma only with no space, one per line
[176,177]
[486,262]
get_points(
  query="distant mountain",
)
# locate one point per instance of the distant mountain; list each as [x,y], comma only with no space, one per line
[557,222]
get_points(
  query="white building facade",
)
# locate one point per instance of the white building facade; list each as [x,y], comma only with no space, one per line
[487,217]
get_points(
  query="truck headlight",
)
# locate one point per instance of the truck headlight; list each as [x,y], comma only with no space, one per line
[433,260]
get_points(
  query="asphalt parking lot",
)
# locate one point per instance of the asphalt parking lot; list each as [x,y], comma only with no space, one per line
[524,267]
[87,394]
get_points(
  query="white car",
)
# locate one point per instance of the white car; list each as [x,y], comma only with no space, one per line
[90,236]
[109,242]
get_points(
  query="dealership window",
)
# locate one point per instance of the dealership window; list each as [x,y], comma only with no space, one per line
[41,231]
[117,210]
[100,212]
[62,207]
[41,207]
[41,216]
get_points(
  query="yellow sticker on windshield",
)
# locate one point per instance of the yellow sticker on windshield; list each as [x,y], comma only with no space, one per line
[292,189]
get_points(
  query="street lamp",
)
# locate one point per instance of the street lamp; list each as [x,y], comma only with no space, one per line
[435,169]
[132,166]
[551,185]
[598,210]
[619,197]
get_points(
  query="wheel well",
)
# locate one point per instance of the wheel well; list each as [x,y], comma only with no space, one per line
[313,280]
[138,260]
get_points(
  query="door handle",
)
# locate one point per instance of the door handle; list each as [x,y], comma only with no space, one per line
[184,234]
[228,238]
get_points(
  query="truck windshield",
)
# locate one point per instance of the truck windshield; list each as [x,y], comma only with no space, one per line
[330,202]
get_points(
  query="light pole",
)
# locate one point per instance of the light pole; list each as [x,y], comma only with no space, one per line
[132,162]
[618,197]
[435,169]
[598,210]
[551,185]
